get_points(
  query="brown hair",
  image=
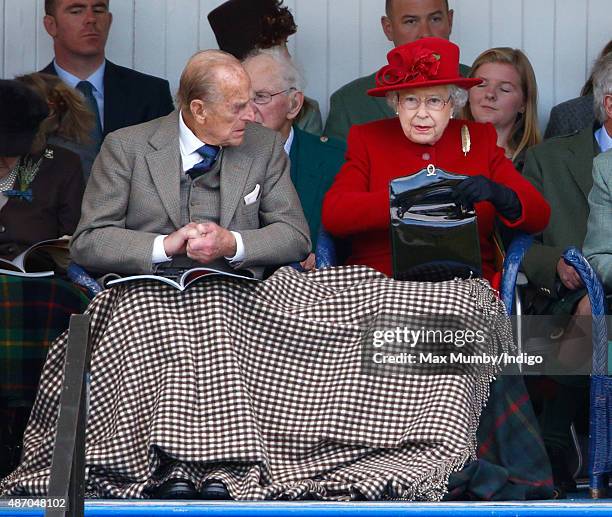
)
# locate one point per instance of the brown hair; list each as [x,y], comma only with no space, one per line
[276,28]
[525,131]
[389,4]
[50,6]
[69,116]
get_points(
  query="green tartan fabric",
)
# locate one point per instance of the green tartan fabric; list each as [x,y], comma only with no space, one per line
[33,312]
[512,461]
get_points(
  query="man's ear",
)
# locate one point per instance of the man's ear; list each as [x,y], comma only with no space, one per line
[198,111]
[50,25]
[387,28]
[450,21]
[608,105]
[296,101]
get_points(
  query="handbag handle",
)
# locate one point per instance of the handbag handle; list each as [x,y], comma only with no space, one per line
[408,199]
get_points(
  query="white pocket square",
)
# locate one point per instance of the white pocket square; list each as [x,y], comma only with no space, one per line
[251,197]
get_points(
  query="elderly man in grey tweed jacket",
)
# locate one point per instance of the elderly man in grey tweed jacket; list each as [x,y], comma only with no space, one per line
[203,182]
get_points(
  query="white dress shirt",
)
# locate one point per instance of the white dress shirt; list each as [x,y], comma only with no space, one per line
[189,144]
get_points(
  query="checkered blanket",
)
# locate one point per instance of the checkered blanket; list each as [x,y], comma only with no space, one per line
[33,312]
[261,385]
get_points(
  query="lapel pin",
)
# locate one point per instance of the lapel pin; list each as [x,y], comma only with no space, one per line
[466,143]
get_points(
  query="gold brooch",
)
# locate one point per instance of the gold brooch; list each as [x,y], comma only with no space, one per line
[466,143]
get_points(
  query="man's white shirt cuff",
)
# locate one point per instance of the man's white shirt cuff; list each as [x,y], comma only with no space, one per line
[159,253]
[239,256]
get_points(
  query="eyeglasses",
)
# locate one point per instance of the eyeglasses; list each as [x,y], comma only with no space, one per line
[265,97]
[432,102]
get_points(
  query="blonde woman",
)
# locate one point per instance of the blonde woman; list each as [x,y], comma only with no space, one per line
[70,120]
[507,97]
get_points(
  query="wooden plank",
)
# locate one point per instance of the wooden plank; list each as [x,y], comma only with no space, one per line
[337,40]
[456,32]
[344,50]
[44,42]
[19,37]
[374,44]
[2,22]
[292,5]
[311,48]
[570,48]
[120,44]
[150,37]
[538,34]
[472,28]
[506,23]
[206,36]
[599,23]
[182,24]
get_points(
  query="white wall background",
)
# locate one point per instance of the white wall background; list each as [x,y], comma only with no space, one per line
[337,40]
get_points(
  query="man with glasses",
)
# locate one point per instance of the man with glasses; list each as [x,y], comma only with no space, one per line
[244,26]
[278,98]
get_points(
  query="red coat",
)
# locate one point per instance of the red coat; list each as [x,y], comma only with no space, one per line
[357,204]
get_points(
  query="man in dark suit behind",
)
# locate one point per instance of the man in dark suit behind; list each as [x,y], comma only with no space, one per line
[118,96]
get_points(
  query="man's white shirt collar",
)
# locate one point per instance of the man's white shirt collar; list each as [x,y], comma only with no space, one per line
[189,144]
[603,139]
[96,79]
[289,141]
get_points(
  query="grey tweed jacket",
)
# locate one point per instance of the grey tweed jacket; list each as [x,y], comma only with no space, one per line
[598,242]
[133,195]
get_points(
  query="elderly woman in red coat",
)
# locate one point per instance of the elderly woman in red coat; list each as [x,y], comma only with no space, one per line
[423,84]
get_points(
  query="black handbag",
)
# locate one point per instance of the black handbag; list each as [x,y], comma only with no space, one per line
[432,237]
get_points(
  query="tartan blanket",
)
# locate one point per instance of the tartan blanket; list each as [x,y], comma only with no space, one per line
[33,312]
[261,385]
[512,461]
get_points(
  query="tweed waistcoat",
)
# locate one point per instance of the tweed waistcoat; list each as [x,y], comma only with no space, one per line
[201,201]
[201,198]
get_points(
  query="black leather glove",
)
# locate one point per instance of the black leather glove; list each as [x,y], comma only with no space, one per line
[478,188]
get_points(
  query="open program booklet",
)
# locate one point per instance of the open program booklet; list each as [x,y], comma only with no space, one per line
[179,278]
[39,260]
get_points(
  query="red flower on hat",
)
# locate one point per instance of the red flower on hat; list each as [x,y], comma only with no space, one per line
[423,66]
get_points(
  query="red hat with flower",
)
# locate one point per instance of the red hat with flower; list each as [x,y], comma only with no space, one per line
[424,62]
